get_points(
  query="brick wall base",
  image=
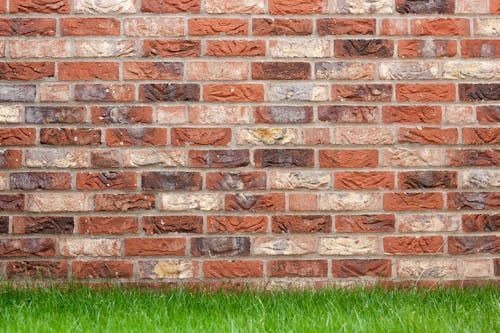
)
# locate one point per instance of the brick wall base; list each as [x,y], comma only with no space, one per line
[250,142]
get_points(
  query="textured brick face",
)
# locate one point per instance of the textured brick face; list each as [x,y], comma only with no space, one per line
[255,141]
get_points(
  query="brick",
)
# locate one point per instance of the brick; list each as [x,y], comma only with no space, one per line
[289,245]
[306,48]
[153,27]
[349,245]
[104,92]
[329,158]
[428,223]
[195,201]
[364,180]
[237,224]
[474,70]
[482,48]
[162,269]
[405,157]
[112,225]
[362,92]
[480,179]
[171,181]
[267,136]
[473,157]
[40,6]
[4,225]
[281,27]
[236,181]
[232,268]
[257,202]
[394,27]
[435,48]
[473,244]
[427,179]
[54,92]
[486,26]
[170,6]
[109,180]
[298,92]
[229,48]
[10,114]
[90,27]
[473,200]
[105,6]
[40,181]
[281,71]
[90,71]
[171,48]
[123,202]
[413,201]
[220,246]
[488,114]
[370,135]
[37,269]
[104,48]
[17,93]
[219,158]
[152,157]
[284,158]
[298,268]
[42,225]
[27,247]
[425,92]
[302,202]
[413,245]
[339,26]
[28,27]
[172,246]
[171,115]
[10,159]
[301,224]
[146,136]
[60,158]
[58,202]
[219,114]
[70,136]
[200,136]
[479,136]
[347,201]
[477,268]
[427,269]
[170,92]
[440,27]
[481,222]
[284,7]
[365,223]
[233,93]
[459,115]
[217,26]
[479,92]
[26,71]
[216,70]
[428,135]
[347,268]
[33,48]
[431,7]
[283,114]
[105,159]
[311,180]
[235,6]
[364,48]
[121,114]
[54,115]
[363,7]
[344,71]
[412,114]
[172,224]
[102,269]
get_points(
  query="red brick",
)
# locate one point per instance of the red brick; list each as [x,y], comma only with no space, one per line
[147,136]
[123,202]
[256,202]
[170,6]
[172,224]
[412,114]
[70,136]
[339,26]
[87,71]
[232,268]
[481,136]
[236,181]
[425,92]
[40,181]
[10,159]
[481,222]
[10,136]
[155,246]
[281,71]
[230,48]
[102,269]
[440,27]
[301,224]
[110,180]
[281,27]
[233,93]
[28,27]
[329,158]
[347,268]
[427,179]
[113,225]
[481,48]
[90,27]
[27,247]
[365,223]
[364,180]
[42,225]
[413,245]
[26,71]
[237,224]
[473,200]
[37,269]
[172,48]
[428,135]
[201,136]
[297,7]
[473,244]
[427,49]
[40,6]
[217,26]
[298,268]
[413,201]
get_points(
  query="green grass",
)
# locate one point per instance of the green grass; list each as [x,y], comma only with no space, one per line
[78,309]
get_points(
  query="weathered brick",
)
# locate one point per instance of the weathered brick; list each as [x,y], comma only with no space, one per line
[10,114]
[42,225]
[217,70]
[365,223]
[229,48]
[235,6]
[284,158]
[232,268]
[171,181]
[37,269]
[40,6]
[172,224]
[173,246]
[481,222]
[200,136]
[102,225]
[346,201]
[76,71]
[425,7]
[432,48]
[344,158]
[216,26]
[363,7]
[146,136]
[194,201]
[237,224]
[236,180]
[344,71]
[473,244]
[312,180]
[121,114]
[413,245]
[307,48]
[102,269]
[172,48]
[123,202]
[427,179]
[428,135]
[90,27]
[26,71]
[349,245]
[105,6]
[255,202]
[220,246]
[40,181]
[170,6]
[428,223]
[153,27]
[28,27]
[106,180]
[301,224]
[27,247]
[298,268]
[70,136]
[219,158]
[288,245]
[347,268]
[281,71]
[440,27]
[281,27]
[54,114]
[412,114]
[10,159]
[104,92]
[298,92]
[162,269]
[473,200]
[58,202]
[364,48]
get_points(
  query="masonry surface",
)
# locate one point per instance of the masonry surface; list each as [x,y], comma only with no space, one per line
[259,142]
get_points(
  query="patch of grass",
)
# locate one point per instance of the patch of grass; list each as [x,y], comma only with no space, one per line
[80,309]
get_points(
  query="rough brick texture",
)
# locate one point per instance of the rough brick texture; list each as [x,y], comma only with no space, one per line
[255,142]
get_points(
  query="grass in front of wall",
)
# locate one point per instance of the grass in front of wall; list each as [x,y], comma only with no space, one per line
[81,309]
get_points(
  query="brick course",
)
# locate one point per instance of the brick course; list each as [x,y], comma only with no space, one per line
[297,142]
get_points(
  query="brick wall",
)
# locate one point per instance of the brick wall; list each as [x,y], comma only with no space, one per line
[291,141]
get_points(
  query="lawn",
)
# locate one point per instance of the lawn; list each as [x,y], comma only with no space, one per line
[78,309]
